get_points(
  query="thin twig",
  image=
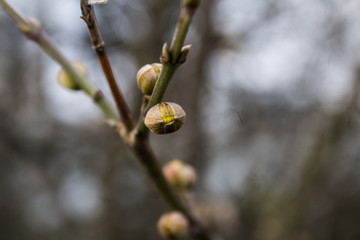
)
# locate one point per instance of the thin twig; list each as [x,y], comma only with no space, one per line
[88,15]
[181,30]
[33,31]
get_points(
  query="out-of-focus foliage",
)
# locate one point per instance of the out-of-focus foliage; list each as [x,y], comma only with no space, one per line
[263,89]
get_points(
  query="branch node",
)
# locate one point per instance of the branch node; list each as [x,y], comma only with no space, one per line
[190,10]
[31,29]
[99,48]
[87,20]
[98,96]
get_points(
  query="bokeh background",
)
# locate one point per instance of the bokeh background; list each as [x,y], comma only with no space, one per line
[273,124]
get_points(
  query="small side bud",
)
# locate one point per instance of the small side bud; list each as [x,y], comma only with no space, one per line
[32,25]
[179,175]
[165,118]
[184,53]
[65,80]
[172,226]
[165,55]
[191,3]
[147,77]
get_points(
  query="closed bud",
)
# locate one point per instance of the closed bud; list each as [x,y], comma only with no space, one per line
[34,23]
[172,226]
[147,77]
[184,53]
[165,118]
[31,26]
[65,80]
[165,55]
[179,175]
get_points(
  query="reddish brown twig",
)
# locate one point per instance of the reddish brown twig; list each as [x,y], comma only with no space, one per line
[98,44]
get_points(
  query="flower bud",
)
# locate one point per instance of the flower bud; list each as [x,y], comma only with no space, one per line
[172,225]
[179,175]
[147,77]
[165,118]
[65,80]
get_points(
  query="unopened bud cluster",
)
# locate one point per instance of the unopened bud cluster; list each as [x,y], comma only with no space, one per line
[172,226]
[179,175]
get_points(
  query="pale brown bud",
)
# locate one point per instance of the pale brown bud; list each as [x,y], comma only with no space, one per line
[147,77]
[165,118]
[34,23]
[172,225]
[31,26]
[65,80]
[179,175]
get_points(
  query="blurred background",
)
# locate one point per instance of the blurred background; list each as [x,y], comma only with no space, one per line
[273,124]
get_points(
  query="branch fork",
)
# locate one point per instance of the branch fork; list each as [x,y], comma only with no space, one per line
[135,137]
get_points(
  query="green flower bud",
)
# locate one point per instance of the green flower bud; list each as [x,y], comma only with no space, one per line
[172,225]
[147,77]
[65,80]
[165,118]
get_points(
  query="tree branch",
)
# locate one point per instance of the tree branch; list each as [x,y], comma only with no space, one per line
[144,153]
[88,15]
[33,31]
[139,145]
